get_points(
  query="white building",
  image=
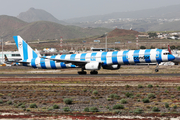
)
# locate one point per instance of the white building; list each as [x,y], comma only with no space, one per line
[49,50]
[11,55]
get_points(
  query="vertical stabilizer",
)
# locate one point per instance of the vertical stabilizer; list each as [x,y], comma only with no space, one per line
[6,59]
[24,49]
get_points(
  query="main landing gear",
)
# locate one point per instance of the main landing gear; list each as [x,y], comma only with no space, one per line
[84,72]
[94,72]
[157,66]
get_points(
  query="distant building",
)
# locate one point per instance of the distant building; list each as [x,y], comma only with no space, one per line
[9,43]
[143,36]
[11,55]
[173,37]
[49,50]
[101,49]
[175,33]
[162,36]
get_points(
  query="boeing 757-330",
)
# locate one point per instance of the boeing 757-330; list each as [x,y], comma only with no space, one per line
[90,61]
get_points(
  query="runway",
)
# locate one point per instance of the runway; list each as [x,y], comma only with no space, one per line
[88,75]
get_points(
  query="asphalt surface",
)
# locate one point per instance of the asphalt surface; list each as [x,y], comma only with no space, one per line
[88,75]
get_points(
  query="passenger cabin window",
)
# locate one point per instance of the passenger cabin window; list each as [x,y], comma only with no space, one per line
[15,55]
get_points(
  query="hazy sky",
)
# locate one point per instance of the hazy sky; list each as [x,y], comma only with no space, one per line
[64,9]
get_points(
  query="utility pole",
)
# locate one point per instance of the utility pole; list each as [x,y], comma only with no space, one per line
[106,41]
[137,44]
[61,42]
[2,48]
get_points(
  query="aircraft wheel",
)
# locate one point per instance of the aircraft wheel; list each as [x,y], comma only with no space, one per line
[156,70]
[82,72]
[94,72]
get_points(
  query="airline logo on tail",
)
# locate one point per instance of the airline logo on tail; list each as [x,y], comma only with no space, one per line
[20,44]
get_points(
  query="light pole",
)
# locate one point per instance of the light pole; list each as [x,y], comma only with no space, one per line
[106,41]
[2,48]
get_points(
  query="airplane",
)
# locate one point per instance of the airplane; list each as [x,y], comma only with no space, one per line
[90,61]
[11,62]
[173,38]
[6,62]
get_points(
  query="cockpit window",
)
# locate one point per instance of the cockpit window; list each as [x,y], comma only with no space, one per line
[166,53]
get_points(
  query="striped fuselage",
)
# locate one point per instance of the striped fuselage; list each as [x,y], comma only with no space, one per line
[108,58]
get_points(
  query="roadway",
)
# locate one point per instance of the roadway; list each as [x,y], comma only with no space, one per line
[88,75]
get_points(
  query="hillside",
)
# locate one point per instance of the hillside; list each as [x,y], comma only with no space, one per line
[43,30]
[170,26]
[122,35]
[122,32]
[116,35]
[157,19]
[168,12]
[141,20]
[8,25]
[33,15]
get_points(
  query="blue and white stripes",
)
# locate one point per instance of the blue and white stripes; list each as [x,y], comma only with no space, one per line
[106,58]
[25,50]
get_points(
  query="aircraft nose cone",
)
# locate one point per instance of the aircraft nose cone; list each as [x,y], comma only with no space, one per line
[171,57]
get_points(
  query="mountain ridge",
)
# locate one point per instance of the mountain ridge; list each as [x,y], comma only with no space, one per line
[140,20]
[162,12]
[33,15]
[43,30]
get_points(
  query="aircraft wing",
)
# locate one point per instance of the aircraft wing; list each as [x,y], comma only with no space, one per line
[23,62]
[74,62]
[10,61]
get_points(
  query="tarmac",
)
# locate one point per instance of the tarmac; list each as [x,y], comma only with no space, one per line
[77,75]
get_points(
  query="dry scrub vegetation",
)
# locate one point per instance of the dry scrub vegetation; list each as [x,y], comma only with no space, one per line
[90,95]
[152,96]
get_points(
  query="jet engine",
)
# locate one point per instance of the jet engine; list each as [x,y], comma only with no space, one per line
[112,67]
[93,66]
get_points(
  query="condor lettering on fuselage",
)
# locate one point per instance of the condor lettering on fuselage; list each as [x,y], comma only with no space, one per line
[141,58]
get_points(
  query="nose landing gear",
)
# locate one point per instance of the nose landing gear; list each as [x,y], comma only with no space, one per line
[156,70]
[157,66]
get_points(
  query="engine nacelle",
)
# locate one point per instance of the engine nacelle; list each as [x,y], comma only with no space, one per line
[93,66]
[112,67]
